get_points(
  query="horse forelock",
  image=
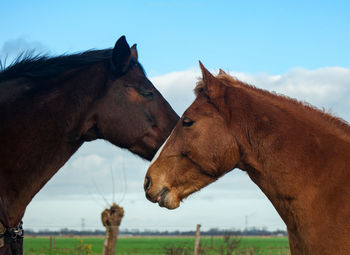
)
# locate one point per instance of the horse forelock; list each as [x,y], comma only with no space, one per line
[226,80]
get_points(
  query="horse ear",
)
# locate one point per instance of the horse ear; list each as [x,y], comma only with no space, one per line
[212,84]
[134,51]
[121,55]
[222,72]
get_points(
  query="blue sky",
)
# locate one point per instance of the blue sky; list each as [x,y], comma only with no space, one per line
[298,48]
[249,36]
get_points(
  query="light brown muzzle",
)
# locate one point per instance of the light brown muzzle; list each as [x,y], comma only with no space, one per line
[157,192]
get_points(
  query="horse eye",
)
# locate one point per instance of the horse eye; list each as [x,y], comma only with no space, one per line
[147,94]
[187,122]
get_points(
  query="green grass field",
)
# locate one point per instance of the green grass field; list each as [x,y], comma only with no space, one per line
[153,245]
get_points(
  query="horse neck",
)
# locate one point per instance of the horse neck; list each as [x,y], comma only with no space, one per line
[41,134]
[297,163]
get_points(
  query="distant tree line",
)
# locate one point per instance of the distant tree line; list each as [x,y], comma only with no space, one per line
[136,232]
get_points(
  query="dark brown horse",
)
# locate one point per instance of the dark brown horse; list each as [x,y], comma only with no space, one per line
[50,106]
[297,155]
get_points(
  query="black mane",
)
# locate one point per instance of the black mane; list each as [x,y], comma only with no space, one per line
[43,66]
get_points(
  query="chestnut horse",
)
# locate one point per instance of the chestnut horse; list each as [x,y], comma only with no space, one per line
[297,155]
[50,106]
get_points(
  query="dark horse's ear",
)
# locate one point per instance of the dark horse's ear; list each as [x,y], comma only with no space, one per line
[121,55]
[134,51]
[212,85]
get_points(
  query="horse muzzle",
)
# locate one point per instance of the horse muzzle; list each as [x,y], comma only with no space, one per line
[161,195]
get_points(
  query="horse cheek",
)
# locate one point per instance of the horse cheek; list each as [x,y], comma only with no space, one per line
[229,156]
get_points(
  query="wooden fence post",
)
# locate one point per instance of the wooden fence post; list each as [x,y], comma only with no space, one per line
[52,242]
[196,242]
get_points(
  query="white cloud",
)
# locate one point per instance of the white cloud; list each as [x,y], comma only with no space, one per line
[327,87]
[177,88]
[321,86]
[14,47]
[86,162]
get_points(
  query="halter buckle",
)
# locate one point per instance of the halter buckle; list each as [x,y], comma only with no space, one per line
[10,235]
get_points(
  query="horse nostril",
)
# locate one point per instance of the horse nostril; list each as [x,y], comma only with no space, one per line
[147,183]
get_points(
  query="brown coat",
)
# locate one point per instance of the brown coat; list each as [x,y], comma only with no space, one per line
[297,155]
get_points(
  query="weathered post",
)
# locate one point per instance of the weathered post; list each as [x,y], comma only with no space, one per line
[52,242]
[111,219]
[196,242]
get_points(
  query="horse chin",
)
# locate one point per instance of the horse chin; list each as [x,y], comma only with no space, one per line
[169,201]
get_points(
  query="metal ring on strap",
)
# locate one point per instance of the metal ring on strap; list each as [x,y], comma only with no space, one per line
[11,236]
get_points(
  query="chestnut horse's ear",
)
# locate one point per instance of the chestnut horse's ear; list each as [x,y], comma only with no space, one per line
[121,55]
[222,72]
[134,51]
[212,85]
